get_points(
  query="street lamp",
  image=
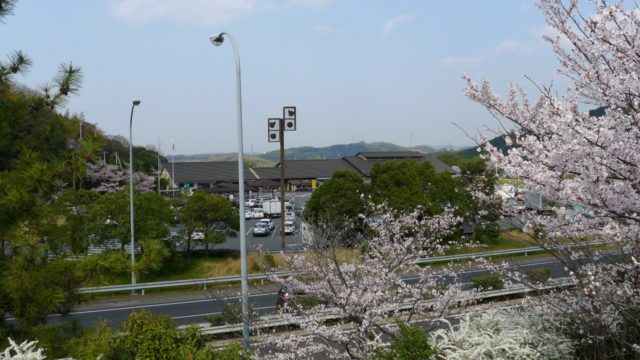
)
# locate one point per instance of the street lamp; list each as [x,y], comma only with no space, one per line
[133,242]
[217,40]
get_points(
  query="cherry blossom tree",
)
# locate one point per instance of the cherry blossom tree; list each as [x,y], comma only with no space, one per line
[109,178]
[364,285]
[587,163]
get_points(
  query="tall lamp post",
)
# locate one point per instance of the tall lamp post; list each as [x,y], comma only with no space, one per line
[133,242]
[217,40]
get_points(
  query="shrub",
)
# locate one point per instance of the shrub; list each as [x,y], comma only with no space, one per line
[538,275]
[269,261]
[487,282]
[411,344]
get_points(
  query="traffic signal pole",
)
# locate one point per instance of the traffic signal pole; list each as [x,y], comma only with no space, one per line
[275,133]
[282,184]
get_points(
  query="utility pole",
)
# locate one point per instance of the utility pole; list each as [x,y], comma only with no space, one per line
[275,129]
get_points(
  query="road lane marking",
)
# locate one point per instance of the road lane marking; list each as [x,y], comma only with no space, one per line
[216,313]
[159,305]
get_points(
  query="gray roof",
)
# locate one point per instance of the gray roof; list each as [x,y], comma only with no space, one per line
[389,155]
[363,162]
[304,169]
[217,172]
[208,171]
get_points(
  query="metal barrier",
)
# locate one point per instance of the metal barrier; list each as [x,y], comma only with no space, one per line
[275,320]
[236,278]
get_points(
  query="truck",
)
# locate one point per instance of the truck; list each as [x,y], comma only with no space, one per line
[272,207]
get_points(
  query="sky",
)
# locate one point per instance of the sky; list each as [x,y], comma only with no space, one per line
[357,70]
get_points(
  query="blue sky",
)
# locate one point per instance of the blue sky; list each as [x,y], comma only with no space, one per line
[357,70]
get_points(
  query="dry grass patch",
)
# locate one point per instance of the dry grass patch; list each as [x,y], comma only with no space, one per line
[266,262]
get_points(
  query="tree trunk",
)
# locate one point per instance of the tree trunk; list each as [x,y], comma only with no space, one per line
[188,248]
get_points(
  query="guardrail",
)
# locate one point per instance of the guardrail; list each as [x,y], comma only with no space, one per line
[177,283]
[275,320]
[236,278]
[518,251]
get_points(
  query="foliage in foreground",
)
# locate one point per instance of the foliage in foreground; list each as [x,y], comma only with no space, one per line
[495,334]
[588,164]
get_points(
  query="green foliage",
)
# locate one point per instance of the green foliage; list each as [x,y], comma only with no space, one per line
[142,336]
[538,275]
[90,346]
[211,214]
[400,184]
[487,282]
[487,233]
[54,338]
[147,336]
[104,268]
[110,220]
[411,344]
[338,200]
[269,261]
[33,287]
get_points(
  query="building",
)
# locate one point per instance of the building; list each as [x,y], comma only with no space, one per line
[222,176]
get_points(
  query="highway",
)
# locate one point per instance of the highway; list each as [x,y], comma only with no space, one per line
[192,307]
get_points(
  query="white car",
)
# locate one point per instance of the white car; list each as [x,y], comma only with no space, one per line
[268,223]
[289,215]
[261,229]
[258,213]
[289,227]
[248,214]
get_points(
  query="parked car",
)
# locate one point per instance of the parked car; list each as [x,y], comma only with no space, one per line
[197,235]
[289,227]
[289,215]
[261,229]
[258,213]
[268,222]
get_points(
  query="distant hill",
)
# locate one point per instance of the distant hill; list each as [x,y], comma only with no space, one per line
[332,152]
[308,153]
[471,152]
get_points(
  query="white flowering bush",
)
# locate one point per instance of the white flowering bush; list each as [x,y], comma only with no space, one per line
[24,351]
[496,334]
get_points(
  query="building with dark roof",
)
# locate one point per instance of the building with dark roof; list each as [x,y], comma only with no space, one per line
[222,176]
[363,162]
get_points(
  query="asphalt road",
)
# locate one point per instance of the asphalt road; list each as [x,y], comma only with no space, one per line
[192,307]
[270,242]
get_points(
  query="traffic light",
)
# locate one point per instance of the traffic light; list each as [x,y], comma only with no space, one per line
[273,128]
[289,116]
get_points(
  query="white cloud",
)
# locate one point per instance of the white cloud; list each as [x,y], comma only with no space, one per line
[510,46]
[201,12]
[321,28]
[392,23]
[462,60]
[314,4]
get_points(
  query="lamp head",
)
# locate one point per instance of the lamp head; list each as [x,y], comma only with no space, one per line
[136,102]
[217,39]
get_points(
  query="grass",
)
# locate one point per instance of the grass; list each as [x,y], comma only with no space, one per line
[227,263]
[511,239]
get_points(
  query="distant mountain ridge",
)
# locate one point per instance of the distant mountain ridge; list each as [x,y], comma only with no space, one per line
[311,153]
